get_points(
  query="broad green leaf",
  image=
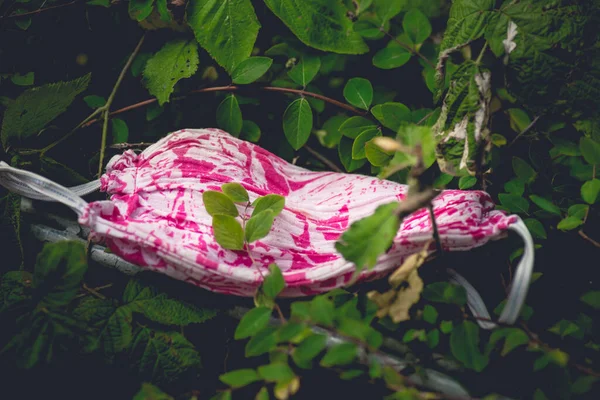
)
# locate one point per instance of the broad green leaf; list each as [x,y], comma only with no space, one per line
[340,354]
[345,154]
[441,181]
[362,5]
[229,115]
[545,204]
[306,70]
[250,131]
[466,182]
[163,11]
[309,349]
[519,120]
[239,378]
[391,115]
[592,298]
[583,384]
[446,327]
[569,223]
[370,237]
[250,70]
[565,147]
[321,24]
[262,342]
[291,332]
[259,225]
[276,372]
[359,145]
[163,356]
[413,134]
[228,232]
[354,126]
[139,10]
[388,9]
[515,186]
[368,27]
[235,192]
[263,394]
[227,29]
[359,93]
[273,202]
[329,135]
[217,203]
[150,392]
[464,344]
[297,123]
[252,322]
[416,26]
[578,210]
[391,57]
[590,149]
[514,203]
[590,191]
[430,314]
[444,292]
[58,273]
[376,155]
[322,311]
[29,113]
[536,228]
[274,282]
[23,80]
[94,101]
[564,328]
[120,131]
[176,60]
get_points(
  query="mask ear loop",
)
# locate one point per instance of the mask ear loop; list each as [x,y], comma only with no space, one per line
[518,289]
[37,187]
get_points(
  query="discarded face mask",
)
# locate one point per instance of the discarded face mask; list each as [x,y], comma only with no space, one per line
[156,218]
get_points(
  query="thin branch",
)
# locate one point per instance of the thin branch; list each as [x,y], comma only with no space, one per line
[589,239]
[524,131]
[316,96]
[323,159]
[436,232]
[410,49]
[40,10]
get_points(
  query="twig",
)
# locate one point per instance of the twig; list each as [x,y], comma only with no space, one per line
[39,10]
[323,159]
[405,46]
[436,233]
[525,130]
[94,292]
[589,239]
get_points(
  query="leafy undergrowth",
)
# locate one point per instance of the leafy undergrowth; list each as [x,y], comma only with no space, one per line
[470,94]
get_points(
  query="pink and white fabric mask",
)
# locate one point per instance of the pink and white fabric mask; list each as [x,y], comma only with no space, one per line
[155,217]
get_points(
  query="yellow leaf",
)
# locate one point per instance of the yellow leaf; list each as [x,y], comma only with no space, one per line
[406,298]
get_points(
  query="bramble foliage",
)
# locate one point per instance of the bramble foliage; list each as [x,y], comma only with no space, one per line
[499,95]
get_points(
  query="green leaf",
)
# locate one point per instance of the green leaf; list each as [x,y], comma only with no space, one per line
[516,337]
[250,70]
[229,115]
[444,292]
[263,342]
[583,384]
[514,203]
[578,210]
[163,11]
[239,378]
[340,354]
[252,322]
[120,131]
[569,223]
[139,10]
[235,192]
[176,60]
[391,115]
[276,372]
[23,80]
[545,204]
[592,298]
[464,344]
[430,314]
[29,113]
[94,101]
[412,134]
[59,270]
[306,70]
[466,182]
[416,26]
[590,191]
[590,149]
[263,394]
[217,203]
[227,29]
[376,155]
[228,232]
[297,123]
[467,22]
[536,228]
[370,237]
[15,288]
[250,131]
[322,311]
[359,93]
[320,24]
[345,154]
[391,57]
[446,327]
[273,202]
[354,126]
[259,225]
[309,349]
[359,145]
[523,170]
[150,392]
[564,328]
[519,120]
[388,9]
[274,282]
[515,186]
[163,356]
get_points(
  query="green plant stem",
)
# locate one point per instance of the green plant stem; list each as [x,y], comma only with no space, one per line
[323,159]
[39,10]
[410,49]
[481,53]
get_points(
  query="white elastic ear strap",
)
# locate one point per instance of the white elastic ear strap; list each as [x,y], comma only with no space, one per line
[37,187]
[518,289]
